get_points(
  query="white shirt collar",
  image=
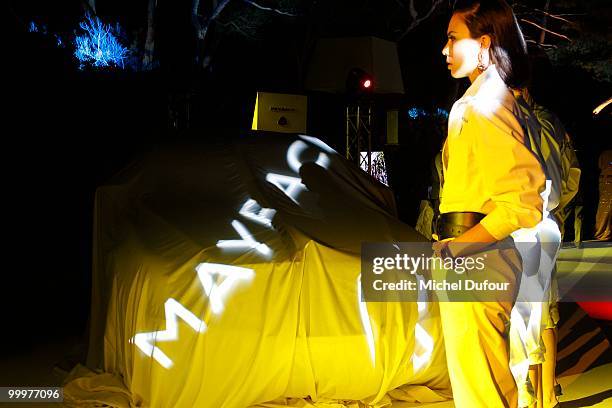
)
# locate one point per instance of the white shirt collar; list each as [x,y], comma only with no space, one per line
[484,82]
[488,84]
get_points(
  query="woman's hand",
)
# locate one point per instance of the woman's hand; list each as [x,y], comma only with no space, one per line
[438,247]
[470,242]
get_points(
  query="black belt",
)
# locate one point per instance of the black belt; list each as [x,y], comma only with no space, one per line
[453,224]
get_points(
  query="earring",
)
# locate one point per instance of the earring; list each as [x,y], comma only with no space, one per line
[481,66]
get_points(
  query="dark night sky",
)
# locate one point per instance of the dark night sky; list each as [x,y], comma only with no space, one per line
[67,131]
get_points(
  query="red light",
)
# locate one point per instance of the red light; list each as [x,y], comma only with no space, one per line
[367,83]
[598,310]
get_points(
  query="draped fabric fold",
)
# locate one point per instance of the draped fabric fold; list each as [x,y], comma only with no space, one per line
[227,276]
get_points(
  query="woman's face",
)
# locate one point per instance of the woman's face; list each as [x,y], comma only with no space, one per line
[461,50]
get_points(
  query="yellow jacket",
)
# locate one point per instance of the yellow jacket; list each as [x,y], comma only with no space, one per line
[486,166]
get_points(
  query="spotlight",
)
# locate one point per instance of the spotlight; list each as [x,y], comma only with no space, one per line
[359,82]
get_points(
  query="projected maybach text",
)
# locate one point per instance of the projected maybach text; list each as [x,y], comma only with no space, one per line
[220,281]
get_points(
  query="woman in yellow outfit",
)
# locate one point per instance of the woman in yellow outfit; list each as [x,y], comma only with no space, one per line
[491,188]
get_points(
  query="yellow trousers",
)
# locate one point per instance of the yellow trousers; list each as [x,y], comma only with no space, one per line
[476,341]
[477,354]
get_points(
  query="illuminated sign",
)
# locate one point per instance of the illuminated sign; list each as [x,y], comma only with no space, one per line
[146,342]
[218,294]
[233,275]
[247,241]
[254,212]
[220,280]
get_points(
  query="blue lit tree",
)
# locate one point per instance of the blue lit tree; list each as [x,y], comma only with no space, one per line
[98,45]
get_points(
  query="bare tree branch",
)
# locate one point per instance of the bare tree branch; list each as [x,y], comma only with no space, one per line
[555,16]
[284,13]
[202,24]
[149,46]
[540,44]
[219,9]
[92,5]
[416,20]
[195,17]
[545,29]
[235,27]
[89,6]
[202,29]
[544,22]
[412,10]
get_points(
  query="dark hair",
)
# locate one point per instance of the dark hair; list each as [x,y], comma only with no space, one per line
[508,48]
